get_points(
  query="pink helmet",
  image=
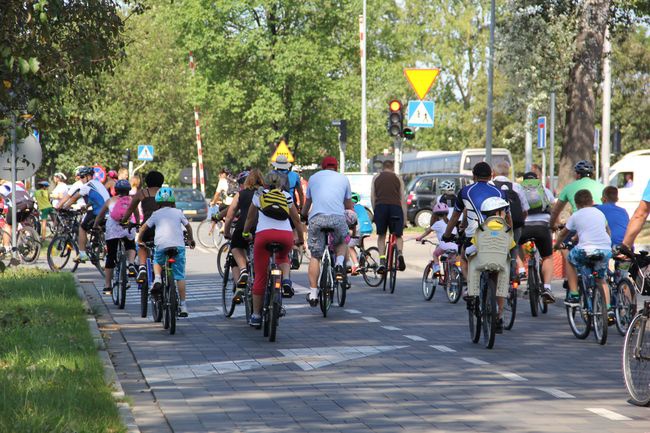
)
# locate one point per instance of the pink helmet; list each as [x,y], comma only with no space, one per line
[441,208]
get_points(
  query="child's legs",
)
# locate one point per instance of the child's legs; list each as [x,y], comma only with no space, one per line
[178,271]
[129,246]
[111,257]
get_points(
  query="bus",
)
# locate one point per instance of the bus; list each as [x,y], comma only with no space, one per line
[441,161]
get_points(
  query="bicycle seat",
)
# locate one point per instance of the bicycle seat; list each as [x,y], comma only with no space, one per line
[595,257]
[171,252]
[327,230]
[274,247]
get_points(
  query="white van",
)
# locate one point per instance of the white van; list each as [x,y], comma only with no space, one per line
[631,175]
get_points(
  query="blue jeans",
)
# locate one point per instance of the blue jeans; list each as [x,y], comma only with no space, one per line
[578,258]
[178,267]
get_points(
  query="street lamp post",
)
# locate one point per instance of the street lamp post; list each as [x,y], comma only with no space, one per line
[490,102]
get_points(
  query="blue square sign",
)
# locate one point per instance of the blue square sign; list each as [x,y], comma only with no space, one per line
[145,152]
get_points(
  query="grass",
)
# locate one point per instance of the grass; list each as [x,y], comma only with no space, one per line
[51,377]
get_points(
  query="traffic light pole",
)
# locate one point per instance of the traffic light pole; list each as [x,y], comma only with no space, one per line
[398,154]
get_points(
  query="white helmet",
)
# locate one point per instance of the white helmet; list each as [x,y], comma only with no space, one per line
[492,204]
[448,186]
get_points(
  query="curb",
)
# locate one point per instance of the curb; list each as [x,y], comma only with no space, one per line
[126,414]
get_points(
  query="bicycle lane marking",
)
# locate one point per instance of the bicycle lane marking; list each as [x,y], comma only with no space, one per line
[609,414]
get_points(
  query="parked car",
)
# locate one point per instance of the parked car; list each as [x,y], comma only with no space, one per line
[422,191]
[192,203]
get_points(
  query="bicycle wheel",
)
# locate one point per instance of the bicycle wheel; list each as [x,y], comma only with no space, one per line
[173,306]
[29,244]
[274,318]
[369,268]
[124,282]
[625,305]
[341,294]
[158,305]
[510,308]
[393,271]
[115,283]
[579,317]
[489,311]
[429,282]
[600,320]
[144,295]
[453,284]
[636,361]
[60,251]
[227,291]
[248,301]
[533,290]
[203,233]
[474,315]
[325,287]
[222,255]
[266,313]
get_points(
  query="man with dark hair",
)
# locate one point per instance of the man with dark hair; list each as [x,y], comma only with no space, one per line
[389,209]
[617,217]
[584,171]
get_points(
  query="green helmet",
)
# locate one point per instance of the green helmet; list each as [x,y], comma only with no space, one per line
[355,197]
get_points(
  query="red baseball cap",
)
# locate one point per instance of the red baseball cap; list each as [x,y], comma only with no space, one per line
[329,162]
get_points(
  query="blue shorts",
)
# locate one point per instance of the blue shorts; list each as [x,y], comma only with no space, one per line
[178,267]
[578,258]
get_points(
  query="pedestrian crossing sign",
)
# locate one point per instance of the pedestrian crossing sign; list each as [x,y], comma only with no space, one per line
[145,152]
[420,114]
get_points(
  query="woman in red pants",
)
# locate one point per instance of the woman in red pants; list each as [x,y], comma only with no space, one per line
[271,210]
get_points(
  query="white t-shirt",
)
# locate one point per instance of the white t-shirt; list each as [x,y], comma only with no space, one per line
[72,189]
[169,223]
[591,226]
[543,217]
[60,189]
[267,223]
[440,227]
[222,190]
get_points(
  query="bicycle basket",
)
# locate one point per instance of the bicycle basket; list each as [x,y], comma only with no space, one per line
[640,273]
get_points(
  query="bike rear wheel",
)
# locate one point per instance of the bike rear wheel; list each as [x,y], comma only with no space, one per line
[636,363]
[600,319]
[29,244]
[579,317]
[124,282]
[453,283]
[203,233]
[274,314]
[489,311]
[429,282]
[221,257]
[393,270]
[533,290]
[227,291]
[510,308]
[60,252]
[369,267]
[474,315]
[173,307]
[144,295]
[341,293]
[325,288]
[625,305]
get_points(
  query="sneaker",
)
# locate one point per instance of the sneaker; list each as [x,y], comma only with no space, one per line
[401,264]
[238,296]
[243,278]
[132,270]
[255,321]
[572,299]
[156,290]
[287,289]
[312,302]
[499,328]
[183,310]
[354,271]
[342,275]
[81,258]
[108,290]
[142,275]
[382,266]
[547,296]
[470,251]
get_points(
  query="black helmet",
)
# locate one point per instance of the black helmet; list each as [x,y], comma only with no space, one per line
[85,171]
[584,167]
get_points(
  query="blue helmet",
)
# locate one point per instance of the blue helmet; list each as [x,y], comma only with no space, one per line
[165,195]
[122,185]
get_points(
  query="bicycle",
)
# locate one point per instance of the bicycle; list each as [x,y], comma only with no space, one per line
[623,292]
[272,308]
[368,263]
[228,293]
[169,303]
[209,236]
[62,246]
[120,281]
[450,276]
[328,284]
[636,358]
[535,284]
[509,312]
[28,244]
[145,298]
[392,264]
[222,256]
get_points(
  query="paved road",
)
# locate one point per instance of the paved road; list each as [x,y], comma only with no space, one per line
[385,363]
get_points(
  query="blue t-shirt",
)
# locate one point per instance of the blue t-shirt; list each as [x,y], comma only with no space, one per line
[293,180]
[327,190]
[471,197]
[95,194]
[363,219]
[617,220]
[646,193]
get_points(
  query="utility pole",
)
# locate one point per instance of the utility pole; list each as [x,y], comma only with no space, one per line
[607,107]
[552,141]
[14,181]
[363,162]
[197,128]
[490,95]
[529,139]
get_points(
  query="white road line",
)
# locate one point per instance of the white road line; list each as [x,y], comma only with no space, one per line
[475,361]
[299,289]
[203,250]
[443,348]
[606,413]
[415,338]
[371,319]
[512,376]
[392,328]
[351,311]
[556,392]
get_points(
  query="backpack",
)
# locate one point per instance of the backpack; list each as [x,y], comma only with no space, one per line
[536,196]
[24,201]
[274,204]
[120,207]
[363,219]
[516,210]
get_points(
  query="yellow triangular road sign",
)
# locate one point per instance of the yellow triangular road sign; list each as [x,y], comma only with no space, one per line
[421,79]
[282,149]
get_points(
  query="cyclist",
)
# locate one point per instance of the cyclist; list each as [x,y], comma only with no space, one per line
[271,209]
[96,195]
[363,228]
[638,220]
[584,171]
[439,225]
[389,209]
[168,222]
[447,196]
[617,217]
[221,196]
[114,232]
[72,189]
[60,188]
[540,200]
[291,184]
[237,213]
[24,206]
[42,196]
[328,195]
[145,198]
[590,225]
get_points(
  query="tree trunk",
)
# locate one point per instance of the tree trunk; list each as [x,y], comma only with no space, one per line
[581,99]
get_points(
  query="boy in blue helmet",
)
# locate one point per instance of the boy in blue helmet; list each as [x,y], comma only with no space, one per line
[169,222]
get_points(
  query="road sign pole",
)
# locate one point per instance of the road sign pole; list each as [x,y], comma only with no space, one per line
[14,180]
[528,143]
[363,162]
[490,95]
[131,171]
[553,141]
[607,106]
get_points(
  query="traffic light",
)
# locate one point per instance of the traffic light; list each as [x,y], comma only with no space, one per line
[126,158]
[395,118]
[616,148]
[342,124]
[409,133]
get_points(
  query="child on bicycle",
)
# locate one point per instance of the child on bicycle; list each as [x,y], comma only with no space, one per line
[116,207]
[439,220]
[590,225]
[169,223]
[352,240]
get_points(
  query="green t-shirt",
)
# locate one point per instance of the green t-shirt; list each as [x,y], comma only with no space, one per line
[43,199]
[569,191]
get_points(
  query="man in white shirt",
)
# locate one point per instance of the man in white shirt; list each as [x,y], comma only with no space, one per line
[60,188]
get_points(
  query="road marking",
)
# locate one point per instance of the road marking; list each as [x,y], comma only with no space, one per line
[203,250]
[351,311]
[392,328]
[512,376]
[443,348]
[556,392]
[299,289]
[606,413]
[371,319]
[475,361]
[415,338]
